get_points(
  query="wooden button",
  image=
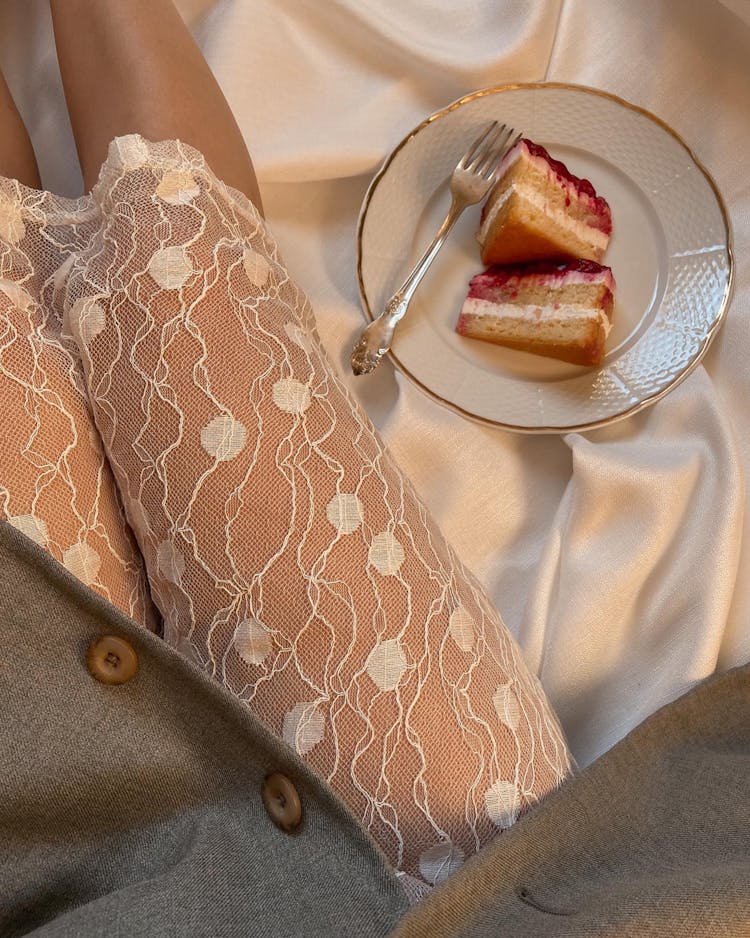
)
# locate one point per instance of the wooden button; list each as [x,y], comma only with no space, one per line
[111,660]
[282,802]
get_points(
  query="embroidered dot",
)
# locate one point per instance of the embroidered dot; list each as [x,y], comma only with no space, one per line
[185,647]
[86,320]
[32,527]
[178,187]
[83,562]
[298,336]
[170,267]
[12,227]
[507,705]
[170,562]
[256,267]
[291,395]
[224,437]
[252,641]
[386,554]
[344,511]
[94,440]
[502,803]
[17,295]
[139,520]
[131,151]
[437,863]
[386,664]
[462,628]
[304,727]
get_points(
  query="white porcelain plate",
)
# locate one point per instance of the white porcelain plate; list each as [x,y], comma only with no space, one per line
[670,254]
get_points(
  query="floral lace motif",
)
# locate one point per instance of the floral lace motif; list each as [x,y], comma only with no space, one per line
[285,551]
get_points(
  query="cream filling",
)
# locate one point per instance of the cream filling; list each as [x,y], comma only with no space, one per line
[583,231]
[474,306]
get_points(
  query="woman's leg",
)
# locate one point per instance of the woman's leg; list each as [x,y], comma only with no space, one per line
[286,551]
[132,66]
[55,482]
[17,160]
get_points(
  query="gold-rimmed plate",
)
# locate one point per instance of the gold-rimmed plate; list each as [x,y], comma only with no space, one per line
[670,254]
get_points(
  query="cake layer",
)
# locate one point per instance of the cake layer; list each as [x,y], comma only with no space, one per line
[535,200]
[561,309]
[572,334]
[597,207]
[531,160]
[539,209]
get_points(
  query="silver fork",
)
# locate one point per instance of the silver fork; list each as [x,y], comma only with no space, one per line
[471,180]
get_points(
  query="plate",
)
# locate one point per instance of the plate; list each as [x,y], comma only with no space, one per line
[670,254]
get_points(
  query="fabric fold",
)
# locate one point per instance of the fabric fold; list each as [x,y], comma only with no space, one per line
[618,619]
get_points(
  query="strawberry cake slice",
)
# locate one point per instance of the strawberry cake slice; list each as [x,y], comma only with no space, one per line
[556,307]
[538,208]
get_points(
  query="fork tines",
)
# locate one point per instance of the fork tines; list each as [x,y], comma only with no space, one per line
[487,151]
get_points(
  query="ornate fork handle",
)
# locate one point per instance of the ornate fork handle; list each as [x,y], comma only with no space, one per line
[470,182]
[377,338]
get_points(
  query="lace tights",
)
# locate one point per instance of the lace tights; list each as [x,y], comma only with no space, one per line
[155,354]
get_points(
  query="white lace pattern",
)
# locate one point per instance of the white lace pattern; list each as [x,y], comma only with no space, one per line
[287,554]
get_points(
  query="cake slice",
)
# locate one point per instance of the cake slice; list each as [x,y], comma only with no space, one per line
[559,308]
[539,209]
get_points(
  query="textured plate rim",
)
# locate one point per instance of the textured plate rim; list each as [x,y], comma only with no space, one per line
[612,418]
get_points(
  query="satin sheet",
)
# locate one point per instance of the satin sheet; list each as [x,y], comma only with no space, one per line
[619,558]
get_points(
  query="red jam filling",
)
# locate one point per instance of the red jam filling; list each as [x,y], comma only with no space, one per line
[582,187]
[507,277]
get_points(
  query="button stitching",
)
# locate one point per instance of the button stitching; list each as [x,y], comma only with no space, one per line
[107,665]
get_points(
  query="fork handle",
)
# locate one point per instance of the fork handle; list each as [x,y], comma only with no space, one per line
[397,305]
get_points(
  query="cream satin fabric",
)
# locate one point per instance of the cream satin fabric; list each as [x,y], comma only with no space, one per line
[620,558]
